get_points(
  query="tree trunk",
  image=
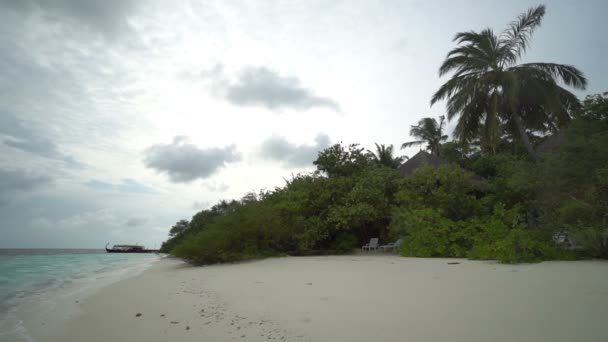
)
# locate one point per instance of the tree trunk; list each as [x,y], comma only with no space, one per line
[525,138]
[491,124]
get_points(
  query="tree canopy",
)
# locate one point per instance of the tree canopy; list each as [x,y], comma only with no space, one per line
[489,90]
[429,132]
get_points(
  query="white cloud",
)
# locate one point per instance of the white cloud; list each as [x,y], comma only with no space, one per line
[264,87]
[184,162]
[278,148]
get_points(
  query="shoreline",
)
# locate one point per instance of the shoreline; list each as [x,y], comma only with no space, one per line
[44,314]
[348,298]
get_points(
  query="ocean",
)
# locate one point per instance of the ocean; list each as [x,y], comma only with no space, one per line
[41,281]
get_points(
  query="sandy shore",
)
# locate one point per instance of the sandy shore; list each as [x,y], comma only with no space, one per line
[348,298]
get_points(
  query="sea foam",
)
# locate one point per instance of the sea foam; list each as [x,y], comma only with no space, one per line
[37,282]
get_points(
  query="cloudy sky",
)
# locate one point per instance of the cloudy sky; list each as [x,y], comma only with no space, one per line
[118,118]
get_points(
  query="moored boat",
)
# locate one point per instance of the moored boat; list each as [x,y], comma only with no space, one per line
[129,249]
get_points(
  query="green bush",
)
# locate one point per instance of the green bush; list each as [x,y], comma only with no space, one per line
[518,245]
[448,188]
[251,230]
[346,243]
[214,246]
[430,234]
[500,236]
[522,245]
[503,236]
[593,239]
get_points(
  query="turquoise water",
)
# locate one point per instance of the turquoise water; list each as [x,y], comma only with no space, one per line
[49,276]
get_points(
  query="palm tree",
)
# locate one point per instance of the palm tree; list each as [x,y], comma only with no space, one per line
[429,132]
[488,87]
[384,156]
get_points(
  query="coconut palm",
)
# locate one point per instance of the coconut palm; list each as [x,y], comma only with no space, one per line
[489,88]
[429,132]
[384,156]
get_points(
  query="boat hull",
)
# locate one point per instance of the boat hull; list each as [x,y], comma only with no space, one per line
[109,250]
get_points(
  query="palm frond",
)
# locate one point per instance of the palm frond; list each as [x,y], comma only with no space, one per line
[478,54]
[474,91]
[468,37]
[384,156]
[454,86]
[515,39]
[567,74]
[412,143]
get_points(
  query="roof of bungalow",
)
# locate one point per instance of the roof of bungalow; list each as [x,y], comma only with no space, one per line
[425,158]
[419,159]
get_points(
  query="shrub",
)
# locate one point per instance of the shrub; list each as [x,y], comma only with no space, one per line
[250,231]
[430,234]
[518,245]
[503,236]
[500,236]
[448,188]
[345,243]
[592,238]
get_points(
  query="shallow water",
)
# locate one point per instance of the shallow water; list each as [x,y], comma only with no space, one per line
[46,278]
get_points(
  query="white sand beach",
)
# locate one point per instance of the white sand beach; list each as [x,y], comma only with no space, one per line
[347,298]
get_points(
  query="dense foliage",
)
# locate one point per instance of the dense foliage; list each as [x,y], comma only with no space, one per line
[482,206]
[526,180]
[573,182]
[311,214]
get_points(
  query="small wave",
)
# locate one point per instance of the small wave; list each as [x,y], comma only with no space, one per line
[43,284]
[12,328]
[55,282]
[104,269]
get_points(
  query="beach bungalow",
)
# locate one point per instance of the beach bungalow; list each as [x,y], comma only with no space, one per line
[426,158]
[419,159]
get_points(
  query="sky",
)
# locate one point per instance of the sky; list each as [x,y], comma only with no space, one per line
[120,117]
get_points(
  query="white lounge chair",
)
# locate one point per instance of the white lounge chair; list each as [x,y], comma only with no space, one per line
[372,244]
[392,246]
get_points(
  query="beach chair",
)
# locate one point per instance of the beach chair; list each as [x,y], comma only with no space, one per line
[392,246]
[372,244]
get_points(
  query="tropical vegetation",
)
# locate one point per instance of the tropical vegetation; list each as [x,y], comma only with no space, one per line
[384,156]
[491,94]
[429,132]
[525,179]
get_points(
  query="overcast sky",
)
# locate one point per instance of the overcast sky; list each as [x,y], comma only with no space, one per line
[118,118]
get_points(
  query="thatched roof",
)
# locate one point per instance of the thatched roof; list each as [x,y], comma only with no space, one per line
[423,157]
[418,160]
